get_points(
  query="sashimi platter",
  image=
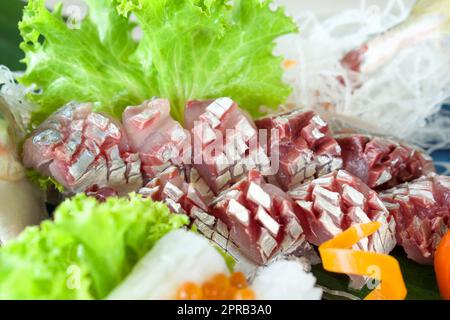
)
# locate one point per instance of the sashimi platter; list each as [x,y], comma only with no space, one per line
[227,150]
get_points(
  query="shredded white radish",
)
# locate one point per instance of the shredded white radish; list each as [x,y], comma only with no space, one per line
[13,95]
[402,99]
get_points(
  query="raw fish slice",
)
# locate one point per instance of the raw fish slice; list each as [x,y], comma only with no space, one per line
[159,140]
[254,220]
[334,202]
[101,194]
[303,145]
[81,150]
[194,109]
[382,163]
[421,209]
[183,191]
[225,142]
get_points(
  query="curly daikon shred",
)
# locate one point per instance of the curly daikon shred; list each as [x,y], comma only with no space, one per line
[402,98]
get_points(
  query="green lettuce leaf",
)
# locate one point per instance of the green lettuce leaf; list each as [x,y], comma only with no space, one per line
[420,280]
[88,249]
[43,182]
[89,63]
[190,49]
[229,260]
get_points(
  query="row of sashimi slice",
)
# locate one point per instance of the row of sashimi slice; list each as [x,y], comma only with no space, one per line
[257,189]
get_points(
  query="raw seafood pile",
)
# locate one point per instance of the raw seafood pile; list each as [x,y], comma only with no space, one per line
[382,163]
[421,209]
[217,170]
[243,213]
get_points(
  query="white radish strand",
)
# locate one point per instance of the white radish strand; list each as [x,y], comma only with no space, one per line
[180,256]
[399,98]
[13,103]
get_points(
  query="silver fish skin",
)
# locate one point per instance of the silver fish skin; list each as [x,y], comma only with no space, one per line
[255,221]
[226,143]
[183,190]
[302,142]
[159,140]
[83,151]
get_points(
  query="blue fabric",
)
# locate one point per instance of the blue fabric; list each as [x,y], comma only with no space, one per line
[442,157]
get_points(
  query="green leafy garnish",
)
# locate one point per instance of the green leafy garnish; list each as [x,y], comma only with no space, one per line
[87,251]
[229,260]
[43,182]
[420,280]
[88,62]
[190,49]
[335,282]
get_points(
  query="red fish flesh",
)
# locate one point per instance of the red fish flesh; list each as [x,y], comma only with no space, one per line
[421,209]
[159,140]
[382,163]
[183,191]
[82,149]
[101,194]
[225,142]
[334,202]
[304,146]
[255,219]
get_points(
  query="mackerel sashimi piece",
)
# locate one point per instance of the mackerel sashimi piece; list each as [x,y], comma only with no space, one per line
[225,142]
[82,150]
[160,141]
[334,202]
[303,145]
[254,219]
[382,163]
[421,209]
[182,190]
